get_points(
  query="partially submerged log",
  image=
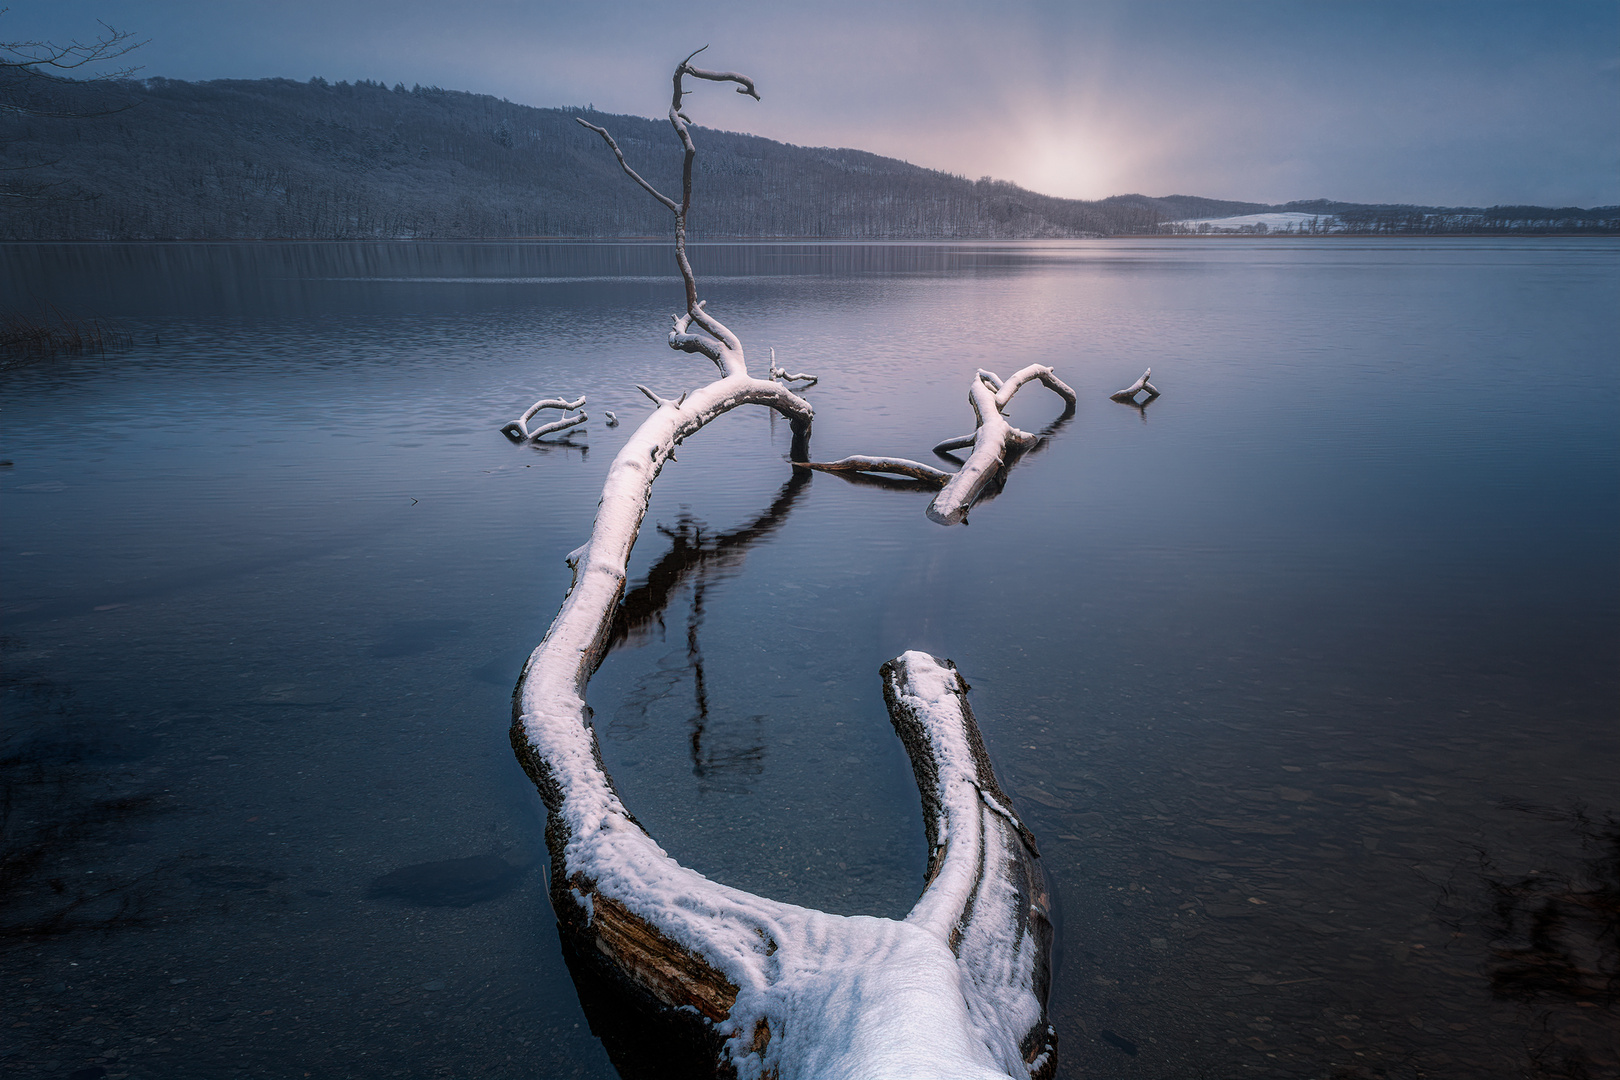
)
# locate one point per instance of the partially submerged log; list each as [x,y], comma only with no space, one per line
[995,441]
[518,430]
[1128,395]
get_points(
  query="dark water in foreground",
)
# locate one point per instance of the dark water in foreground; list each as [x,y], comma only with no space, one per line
[1284,672]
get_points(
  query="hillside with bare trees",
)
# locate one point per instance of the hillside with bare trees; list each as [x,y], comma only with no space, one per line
[273,158]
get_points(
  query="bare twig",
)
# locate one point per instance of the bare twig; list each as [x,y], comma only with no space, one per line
[36,56]
[625,165]
[47,67]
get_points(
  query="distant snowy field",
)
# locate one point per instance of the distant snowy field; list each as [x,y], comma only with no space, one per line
[1288,220]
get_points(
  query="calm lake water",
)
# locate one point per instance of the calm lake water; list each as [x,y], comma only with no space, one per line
[1294,674]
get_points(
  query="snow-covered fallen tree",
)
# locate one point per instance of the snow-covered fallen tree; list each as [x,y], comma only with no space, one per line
[741,984]
[995,442]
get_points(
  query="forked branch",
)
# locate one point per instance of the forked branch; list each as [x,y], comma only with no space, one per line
[1128,395]
[518,430]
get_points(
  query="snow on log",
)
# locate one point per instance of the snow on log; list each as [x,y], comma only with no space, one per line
[956,989]
[518,430]
[986,893]
[995,441]
[1129,393]
[863,463]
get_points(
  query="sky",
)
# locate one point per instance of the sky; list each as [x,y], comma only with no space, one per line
[1418,101]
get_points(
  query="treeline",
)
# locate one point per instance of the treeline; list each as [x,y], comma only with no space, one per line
[273,158]
[1390,220]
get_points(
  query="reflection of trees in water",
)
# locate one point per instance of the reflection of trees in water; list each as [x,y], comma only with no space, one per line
[726,754]
[1554,941]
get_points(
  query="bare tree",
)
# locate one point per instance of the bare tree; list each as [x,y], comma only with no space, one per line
[752,987]
[45,79]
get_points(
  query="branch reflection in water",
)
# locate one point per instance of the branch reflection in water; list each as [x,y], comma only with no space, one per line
[728,755]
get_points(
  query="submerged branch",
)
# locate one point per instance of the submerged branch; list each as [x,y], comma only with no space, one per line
[1128,395]
[862,463]
[783,375]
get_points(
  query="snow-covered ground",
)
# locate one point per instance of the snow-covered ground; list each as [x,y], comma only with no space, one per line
[1286,220]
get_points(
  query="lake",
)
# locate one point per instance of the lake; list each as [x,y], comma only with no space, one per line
[1304,675]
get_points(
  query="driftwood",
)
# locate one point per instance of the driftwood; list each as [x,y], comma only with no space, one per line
[862,463]
[744,985]
[518,430]
[1128,395]
[995,442]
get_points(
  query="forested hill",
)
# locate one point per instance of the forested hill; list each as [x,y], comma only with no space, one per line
[277,158]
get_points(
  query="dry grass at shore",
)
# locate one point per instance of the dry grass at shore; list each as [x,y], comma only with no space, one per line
[50,333]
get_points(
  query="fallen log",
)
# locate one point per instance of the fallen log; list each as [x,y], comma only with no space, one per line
[957,989]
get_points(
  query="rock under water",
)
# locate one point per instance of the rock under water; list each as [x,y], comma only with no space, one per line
[450,883]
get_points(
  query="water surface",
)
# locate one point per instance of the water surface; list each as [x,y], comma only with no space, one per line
[1269,666]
